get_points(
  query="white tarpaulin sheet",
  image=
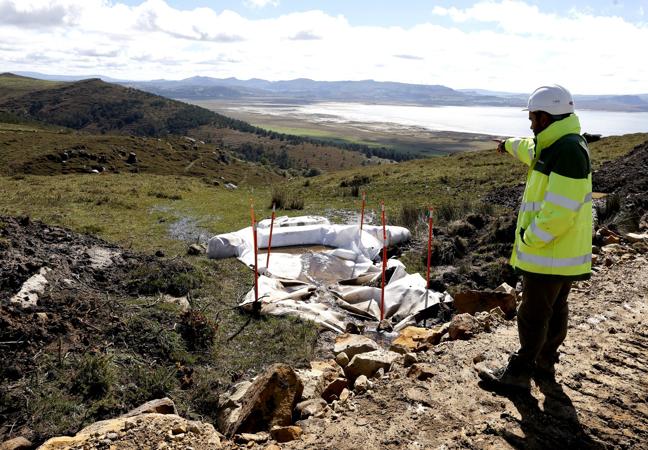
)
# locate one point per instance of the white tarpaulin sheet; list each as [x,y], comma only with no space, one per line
[315,285]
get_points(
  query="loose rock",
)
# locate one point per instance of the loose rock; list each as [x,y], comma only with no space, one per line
[353,344]
[161,406]
[19,443]
[334,389]
[368,363]
[418,339]
[310,407]
[361,384]
[285,434]
[342,359]
[463,326]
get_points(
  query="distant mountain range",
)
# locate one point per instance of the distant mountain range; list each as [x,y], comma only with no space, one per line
[366,91]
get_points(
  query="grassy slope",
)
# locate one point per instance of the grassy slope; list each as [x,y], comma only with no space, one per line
[12,86]
[134,208]
[466,176]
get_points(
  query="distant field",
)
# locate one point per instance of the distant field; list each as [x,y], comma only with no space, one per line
[410,140]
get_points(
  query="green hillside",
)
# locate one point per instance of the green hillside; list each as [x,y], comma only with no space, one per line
[15,86]
[97,107]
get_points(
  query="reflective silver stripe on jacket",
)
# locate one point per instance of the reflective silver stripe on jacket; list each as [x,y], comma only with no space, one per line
[567,202]
[542,234]
[531,206]
[515,144]
[552,262]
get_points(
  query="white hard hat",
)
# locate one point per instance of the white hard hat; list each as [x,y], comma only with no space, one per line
[554,99]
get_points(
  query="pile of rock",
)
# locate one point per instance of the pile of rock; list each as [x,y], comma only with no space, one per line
[274,405]
[610,247]
[152,425]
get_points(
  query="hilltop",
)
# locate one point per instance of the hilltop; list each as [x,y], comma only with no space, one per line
[370,91]
[94,106]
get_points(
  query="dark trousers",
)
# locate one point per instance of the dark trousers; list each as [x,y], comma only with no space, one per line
[542,320]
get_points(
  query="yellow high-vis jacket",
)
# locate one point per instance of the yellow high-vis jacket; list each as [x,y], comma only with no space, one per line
[554,226]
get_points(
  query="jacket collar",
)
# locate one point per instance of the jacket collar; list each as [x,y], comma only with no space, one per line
[569,125]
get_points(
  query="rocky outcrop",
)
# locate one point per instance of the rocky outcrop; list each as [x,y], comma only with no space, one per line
[268,402]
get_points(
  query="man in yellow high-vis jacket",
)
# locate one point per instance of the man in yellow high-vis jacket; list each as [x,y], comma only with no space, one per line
[553,241]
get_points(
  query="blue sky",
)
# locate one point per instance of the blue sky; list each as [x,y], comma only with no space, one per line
[404,13]
[507,45]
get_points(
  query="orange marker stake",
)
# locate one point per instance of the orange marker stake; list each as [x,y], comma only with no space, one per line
[384,262]
[256,253]
[429,255]
[364,198]
[270,238]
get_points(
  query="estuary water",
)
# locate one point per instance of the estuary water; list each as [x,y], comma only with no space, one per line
[493,120]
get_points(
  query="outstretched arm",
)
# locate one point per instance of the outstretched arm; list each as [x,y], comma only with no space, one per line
[522,148]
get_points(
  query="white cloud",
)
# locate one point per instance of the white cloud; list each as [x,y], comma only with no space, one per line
[505,45]
[261,3]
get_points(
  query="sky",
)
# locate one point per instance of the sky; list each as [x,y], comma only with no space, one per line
[593,47]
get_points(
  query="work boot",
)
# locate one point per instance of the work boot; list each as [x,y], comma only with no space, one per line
[516,375]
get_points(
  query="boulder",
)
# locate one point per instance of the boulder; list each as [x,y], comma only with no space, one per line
[344,395]
[269,401]
[132,158]
[368,363]
[195,249]
[318,377]
[612,249]
[334,389]
[475,301]
[160,406]
[506,288]
[182,302]
[463,326]
[342,359]
[409,359]
[361,384]
[489,320]
[417,339]
[19,443]
[611,239]
[353,344]
[257,438]
[385,325]
[310,407]
[286,434]
[229,405]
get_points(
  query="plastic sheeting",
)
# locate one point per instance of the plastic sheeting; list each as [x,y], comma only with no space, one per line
[320,285]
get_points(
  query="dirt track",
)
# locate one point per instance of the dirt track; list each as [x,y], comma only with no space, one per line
[599,401]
